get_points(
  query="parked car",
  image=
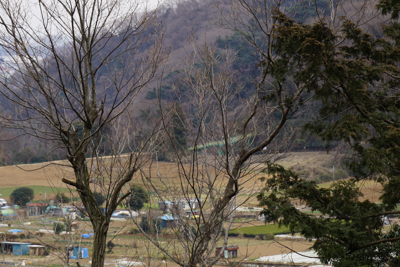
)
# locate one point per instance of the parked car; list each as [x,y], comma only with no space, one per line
[3,202]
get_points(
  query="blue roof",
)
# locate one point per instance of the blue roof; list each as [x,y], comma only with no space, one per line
[167,217]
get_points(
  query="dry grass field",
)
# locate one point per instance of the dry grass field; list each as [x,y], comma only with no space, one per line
[161,173]
[166,173]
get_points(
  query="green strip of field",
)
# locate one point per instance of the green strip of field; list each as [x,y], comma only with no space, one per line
[261,229]
[37,190]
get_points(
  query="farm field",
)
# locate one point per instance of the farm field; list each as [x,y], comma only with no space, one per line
[47,178]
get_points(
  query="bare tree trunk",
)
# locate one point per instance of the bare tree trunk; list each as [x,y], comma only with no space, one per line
[99,242]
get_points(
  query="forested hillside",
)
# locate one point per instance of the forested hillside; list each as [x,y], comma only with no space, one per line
[182,20]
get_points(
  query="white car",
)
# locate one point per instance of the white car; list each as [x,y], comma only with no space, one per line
[3,202]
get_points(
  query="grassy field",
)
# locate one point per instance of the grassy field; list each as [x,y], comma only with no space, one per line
[38,190]
[261,229]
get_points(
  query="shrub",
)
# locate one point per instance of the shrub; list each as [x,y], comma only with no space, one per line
[61,198]
[135,231]
[58,228]
[138,197]
[249,235]
[233,234]
[99,198]
[153,227]
[110,246]
[21,196]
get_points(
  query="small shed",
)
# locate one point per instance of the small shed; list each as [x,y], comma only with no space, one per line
[167,221]
[169,205]
[36,250]
[229,252]
[190,203]
[77,252]
[15,248]
[36,209]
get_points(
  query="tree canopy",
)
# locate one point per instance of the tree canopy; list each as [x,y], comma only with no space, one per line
[100,199]
[356,85]
[138,197]
[21,196]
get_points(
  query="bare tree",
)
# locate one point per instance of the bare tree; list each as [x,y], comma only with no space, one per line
[226,131]
[225,137]
[73,68]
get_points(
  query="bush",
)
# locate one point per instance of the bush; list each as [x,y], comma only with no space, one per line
[266,236]
[110,246]
[150,228]
[249,235]
[233,234]
[61,198]
[21,196]
[99,198]
[22,236]
[138,197]
[135,231]
[58,228]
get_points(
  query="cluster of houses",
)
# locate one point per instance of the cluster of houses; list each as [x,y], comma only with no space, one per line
[181,206]
[25,248]
[184,207]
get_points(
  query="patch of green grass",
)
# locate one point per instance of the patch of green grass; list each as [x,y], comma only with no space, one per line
[150,206]
[262,229]
[37,189]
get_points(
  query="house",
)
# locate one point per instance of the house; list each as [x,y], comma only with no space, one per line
[36,209]
[15,248]
[167,221]
[229,252]
[190,203]
[179,205]
[170,206]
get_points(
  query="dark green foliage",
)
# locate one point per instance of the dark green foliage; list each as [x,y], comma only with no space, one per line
[346,224]
[58,228]
[61,198]
[150,226]
[356,85]
[110,246]
[21,196]
[135,231]
[249,235]
[179,130]
[138,197]
[99,198]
